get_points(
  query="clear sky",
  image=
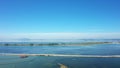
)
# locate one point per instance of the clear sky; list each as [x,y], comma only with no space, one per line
[59,16]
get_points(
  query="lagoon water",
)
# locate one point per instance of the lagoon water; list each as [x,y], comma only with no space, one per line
[52,62]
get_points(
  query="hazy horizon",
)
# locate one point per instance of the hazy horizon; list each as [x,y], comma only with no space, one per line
[60,36]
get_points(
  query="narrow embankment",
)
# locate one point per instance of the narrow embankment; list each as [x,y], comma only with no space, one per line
[64,55]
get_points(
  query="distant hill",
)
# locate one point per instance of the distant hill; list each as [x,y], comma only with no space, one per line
[24,39]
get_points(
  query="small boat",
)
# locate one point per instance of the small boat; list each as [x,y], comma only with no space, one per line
[23,56]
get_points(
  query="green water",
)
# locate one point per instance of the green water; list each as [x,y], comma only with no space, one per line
[52,62]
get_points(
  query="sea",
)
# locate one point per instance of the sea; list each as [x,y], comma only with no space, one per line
[13,61]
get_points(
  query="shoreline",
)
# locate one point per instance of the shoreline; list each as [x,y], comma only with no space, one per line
[55,43]
[63,55]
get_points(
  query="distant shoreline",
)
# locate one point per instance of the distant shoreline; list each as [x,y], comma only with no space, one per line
[55,43]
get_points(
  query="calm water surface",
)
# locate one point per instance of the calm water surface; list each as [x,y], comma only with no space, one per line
[52,62]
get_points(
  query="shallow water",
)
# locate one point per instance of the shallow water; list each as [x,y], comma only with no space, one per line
[52,62]
[103,49]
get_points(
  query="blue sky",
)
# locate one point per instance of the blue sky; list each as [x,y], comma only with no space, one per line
[59,16]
